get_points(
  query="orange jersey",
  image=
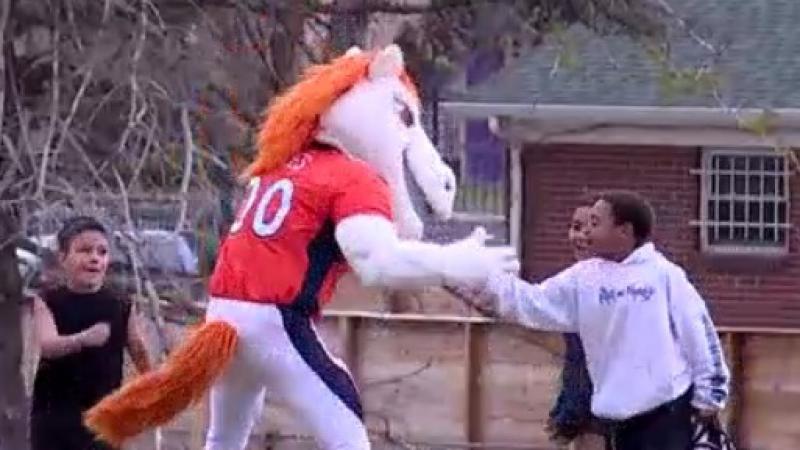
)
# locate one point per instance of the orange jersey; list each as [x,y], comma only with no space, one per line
[281,248]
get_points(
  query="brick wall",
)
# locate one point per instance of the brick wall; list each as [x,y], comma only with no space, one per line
[740,292]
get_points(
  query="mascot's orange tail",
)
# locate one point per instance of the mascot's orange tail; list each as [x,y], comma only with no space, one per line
[155,398]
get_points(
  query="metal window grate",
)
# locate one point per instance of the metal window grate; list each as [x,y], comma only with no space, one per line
[745,201]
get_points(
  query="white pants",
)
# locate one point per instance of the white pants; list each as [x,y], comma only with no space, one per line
[280,352]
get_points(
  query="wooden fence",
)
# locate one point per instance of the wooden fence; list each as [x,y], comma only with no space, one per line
[445,381]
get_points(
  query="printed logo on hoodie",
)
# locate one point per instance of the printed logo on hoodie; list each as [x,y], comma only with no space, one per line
[632,292]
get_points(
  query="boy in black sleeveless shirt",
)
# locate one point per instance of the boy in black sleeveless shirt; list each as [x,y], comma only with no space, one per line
[83,328]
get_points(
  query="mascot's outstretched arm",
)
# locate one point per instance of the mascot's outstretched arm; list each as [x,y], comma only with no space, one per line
[379,258]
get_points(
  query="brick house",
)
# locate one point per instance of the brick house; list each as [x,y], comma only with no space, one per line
[725,198]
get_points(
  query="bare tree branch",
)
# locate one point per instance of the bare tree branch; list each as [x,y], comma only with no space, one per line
[398,7]
[12,152]
[102,102]
[145,154]
[53,115]
[22,116]
[188,161]
[73,109]
[6,8]
[86,160]
[149,290]
[71,19]
[667,8]
[134,116]
[10,174]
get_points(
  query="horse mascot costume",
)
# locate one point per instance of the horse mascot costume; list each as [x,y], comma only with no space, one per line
[326,193]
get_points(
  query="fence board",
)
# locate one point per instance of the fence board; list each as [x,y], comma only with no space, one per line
[443,381]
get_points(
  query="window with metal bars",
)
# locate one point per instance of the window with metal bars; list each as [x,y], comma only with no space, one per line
[745,201]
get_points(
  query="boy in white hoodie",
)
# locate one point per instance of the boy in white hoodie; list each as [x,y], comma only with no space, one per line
[652,351]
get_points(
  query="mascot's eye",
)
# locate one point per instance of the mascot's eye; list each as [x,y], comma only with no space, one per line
[406,116]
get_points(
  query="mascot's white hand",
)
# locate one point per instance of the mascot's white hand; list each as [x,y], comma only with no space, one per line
[469,261]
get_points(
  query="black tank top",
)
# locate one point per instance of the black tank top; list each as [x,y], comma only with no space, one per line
[79,380]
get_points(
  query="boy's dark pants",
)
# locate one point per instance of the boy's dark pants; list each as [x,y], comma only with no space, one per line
[62,430]
[668,427]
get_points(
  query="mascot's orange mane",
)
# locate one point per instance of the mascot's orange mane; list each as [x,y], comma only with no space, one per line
[292,118]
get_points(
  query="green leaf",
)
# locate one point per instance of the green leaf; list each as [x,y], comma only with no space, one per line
[761,125]
[568,55]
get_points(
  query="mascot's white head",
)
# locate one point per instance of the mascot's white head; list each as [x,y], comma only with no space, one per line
[365,104]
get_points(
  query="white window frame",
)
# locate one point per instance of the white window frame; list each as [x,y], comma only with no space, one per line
[706,173]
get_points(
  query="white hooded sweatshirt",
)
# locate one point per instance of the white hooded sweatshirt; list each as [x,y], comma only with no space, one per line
[646,331]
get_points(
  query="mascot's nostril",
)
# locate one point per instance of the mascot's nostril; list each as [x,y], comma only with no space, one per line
[428,208]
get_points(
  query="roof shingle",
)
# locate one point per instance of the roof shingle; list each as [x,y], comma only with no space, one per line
[759,66]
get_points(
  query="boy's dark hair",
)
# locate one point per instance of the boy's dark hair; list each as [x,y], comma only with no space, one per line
[75,226]
[630,207]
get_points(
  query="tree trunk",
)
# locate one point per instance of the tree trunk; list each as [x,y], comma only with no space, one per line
[284,46]
[348,28]
[13,398]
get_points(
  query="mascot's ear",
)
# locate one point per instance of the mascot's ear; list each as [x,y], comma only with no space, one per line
[352,51]
[387,63]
